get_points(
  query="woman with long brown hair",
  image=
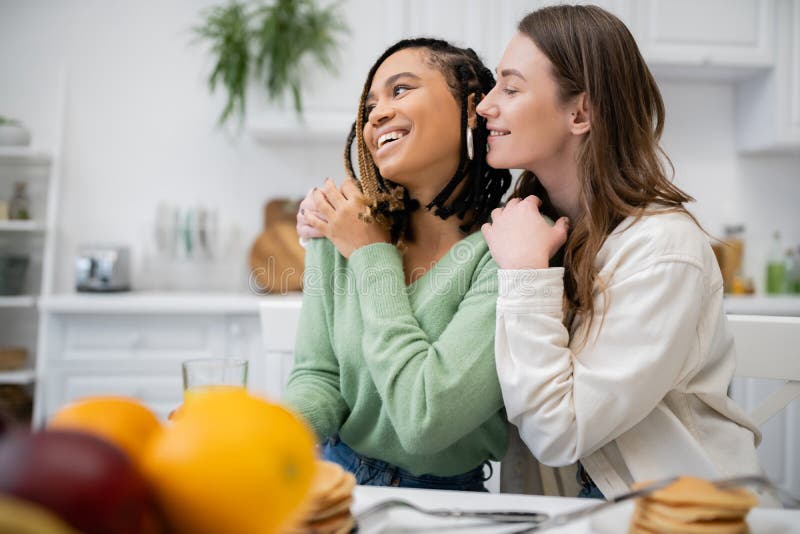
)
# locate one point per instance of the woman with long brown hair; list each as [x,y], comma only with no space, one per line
[620,359]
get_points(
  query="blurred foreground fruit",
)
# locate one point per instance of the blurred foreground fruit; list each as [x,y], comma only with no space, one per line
[86,481]
[4,424]
[125,422]
[231,463]
[22,517]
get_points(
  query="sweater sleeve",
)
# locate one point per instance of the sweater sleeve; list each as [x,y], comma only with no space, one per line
[313,386]
[568,399]
[434,392]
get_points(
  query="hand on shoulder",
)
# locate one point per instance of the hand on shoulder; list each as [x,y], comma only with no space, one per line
[519,236]
[339,216]
[307,209]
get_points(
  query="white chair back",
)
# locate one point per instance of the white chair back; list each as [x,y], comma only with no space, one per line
[279,322]
[768,347]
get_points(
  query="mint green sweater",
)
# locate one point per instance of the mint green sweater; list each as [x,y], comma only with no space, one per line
[404,374]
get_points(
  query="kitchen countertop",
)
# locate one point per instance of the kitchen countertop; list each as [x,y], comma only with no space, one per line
[144,302]
[248,303]
[785,305]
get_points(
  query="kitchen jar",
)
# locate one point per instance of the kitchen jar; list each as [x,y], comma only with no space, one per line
[12,274]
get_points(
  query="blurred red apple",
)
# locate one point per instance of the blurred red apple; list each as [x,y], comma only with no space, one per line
[89,483]
[6,422]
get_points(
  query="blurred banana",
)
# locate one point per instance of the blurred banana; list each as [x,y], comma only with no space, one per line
[21,517]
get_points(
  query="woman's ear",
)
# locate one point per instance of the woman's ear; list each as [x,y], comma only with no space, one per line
[580,118]
[472,114]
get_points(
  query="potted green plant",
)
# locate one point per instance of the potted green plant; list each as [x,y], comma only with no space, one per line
[268,42]
[13,133]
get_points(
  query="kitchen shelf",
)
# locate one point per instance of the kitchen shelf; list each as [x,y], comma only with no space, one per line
[280,127]
[21,301]
[21,377]
[24,155]
[21,226]
[148,303]
[22,322]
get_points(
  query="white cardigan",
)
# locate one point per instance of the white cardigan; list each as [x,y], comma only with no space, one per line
[646,396]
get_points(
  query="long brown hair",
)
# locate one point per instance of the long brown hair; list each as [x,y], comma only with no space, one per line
[621,167]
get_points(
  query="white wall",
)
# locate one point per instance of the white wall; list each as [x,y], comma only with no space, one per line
[760,192]
[140,127]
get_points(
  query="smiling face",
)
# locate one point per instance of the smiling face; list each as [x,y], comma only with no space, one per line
[529,126]
[412,127]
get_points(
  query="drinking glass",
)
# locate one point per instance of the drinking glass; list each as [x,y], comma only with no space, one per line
[202,373]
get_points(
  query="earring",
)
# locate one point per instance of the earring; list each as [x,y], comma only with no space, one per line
[470,145]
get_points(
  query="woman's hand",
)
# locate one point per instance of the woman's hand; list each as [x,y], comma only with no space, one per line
[307,208]
[339,220]
[520,238]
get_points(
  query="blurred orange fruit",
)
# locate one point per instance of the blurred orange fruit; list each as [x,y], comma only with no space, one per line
[231,462]
[125,422]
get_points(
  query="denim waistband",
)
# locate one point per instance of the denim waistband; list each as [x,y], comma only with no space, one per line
[371,471]
[588,488]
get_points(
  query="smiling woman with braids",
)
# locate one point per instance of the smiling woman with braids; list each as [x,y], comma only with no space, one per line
[394,363]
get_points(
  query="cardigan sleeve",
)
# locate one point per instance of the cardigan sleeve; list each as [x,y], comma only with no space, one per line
[313,386]
[434,392]
[570,398]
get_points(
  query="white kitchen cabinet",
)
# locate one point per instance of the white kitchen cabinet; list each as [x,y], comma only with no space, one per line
[511,13]
[145,339]
[679,39]
[330,103]
[133,345]
[682,39]
[705,38]
[768,107]
[160,389]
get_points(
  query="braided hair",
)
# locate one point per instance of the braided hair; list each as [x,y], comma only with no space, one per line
[390,203]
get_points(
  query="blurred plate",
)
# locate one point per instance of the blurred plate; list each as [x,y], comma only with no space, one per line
[617,519]
[613,520]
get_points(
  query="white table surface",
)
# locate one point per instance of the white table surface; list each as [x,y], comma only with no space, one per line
[615,520]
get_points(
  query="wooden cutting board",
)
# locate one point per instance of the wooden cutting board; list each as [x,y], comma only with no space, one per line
[276,258]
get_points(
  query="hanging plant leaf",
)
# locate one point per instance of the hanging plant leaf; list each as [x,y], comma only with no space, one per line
[282,33]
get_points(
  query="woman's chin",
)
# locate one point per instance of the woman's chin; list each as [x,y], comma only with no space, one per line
[502,161]
[496,161]
[389,172]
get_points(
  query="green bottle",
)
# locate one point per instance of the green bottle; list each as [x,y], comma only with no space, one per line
[776,267]
[792,272]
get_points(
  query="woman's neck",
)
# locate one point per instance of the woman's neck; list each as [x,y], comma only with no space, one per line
[433,238]
[559,177]
[430,231]
[432,234]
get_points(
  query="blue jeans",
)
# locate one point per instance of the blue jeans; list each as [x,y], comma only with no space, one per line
[589,489]
[371,472]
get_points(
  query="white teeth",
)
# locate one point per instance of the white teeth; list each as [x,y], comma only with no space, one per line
[495,133]
[391,136]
